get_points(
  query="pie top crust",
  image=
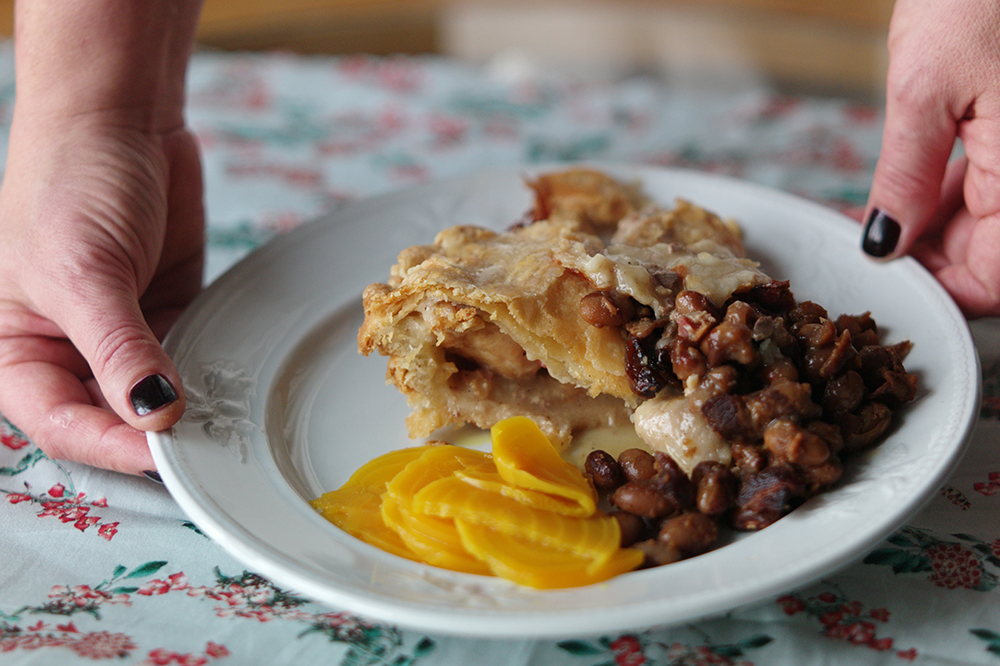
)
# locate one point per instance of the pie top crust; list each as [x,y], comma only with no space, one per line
[480,325]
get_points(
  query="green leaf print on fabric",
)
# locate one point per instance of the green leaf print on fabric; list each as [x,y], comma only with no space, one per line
[991,637]
[30,458]
[245,596]
[966,561]
[990,408]
[644,650]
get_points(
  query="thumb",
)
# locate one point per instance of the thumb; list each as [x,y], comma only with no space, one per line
[137,378]
[917,141]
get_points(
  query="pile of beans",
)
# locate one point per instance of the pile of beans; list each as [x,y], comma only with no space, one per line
[790,389]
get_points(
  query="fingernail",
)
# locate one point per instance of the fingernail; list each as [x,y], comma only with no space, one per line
[152,475]
[881,234]
[150,394]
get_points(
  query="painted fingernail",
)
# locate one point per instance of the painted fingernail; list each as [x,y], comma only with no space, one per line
[151,394]
[152,475]
[881,234]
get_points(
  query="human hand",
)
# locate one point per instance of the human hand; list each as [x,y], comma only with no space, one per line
[943,83]
[101,225]
[101,242]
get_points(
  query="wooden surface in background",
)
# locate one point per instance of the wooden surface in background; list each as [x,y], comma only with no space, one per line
[839,42]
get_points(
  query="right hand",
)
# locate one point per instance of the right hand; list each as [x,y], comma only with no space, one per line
[943,84]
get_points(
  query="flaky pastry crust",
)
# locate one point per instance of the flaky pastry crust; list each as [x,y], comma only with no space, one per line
[481,325]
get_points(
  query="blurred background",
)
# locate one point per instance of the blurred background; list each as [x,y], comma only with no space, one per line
[808,46]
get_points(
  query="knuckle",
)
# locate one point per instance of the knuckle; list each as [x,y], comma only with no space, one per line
[909,180]
[112,351]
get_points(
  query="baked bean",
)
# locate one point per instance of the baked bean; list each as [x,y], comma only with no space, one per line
[787,387]
[672,482]
[602,308]
[862,429]
[658,553]
[643,499]
[862,328]
[718,380]
[780,370]
[686,360]
[790,441]
[741,313]
[818,334]
[791,400]
[898,388]
[807,312]
[603,470]
[729,417]
[716,487]
[729,342]
[829,433]
[818,477]
[633,528]
[688,302]
[774,330]
[748,458]
[637,464]
[844,393]
[772,296]
[690,533]
[694,315]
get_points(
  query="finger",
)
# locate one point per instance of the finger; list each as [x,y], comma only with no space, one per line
[53,408]
[136,376]
[946,235]
[952,197]
[917,141]
[947,246]
[975,283]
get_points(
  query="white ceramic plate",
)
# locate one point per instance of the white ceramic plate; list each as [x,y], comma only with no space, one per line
[282,408]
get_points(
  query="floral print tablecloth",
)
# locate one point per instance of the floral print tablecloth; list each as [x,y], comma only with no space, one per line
[96,566]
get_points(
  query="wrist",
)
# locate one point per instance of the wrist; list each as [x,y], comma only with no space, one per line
[123,61]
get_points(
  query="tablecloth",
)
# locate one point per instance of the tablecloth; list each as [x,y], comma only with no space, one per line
[96,566]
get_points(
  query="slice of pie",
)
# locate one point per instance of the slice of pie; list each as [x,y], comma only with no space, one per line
[603,309]
[479,325]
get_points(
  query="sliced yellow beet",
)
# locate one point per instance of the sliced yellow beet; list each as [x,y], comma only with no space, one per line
[356,509]
[525,457]
[435,540]
[525,563]
[490,479]
[381,470]
[596,537]
[434,463]
[521,513]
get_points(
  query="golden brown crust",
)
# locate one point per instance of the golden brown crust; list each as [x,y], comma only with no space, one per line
[482,325]
[586,198]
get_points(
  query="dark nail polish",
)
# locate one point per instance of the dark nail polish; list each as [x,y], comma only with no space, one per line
[881,234]
[153,476]
[150,394]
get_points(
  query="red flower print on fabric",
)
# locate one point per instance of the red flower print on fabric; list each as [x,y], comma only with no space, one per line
[644,650]
[246,595]
[91,645]
[68,507]
[163,657]
[844,619]
[14,440]
[989,487]
[956,497]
